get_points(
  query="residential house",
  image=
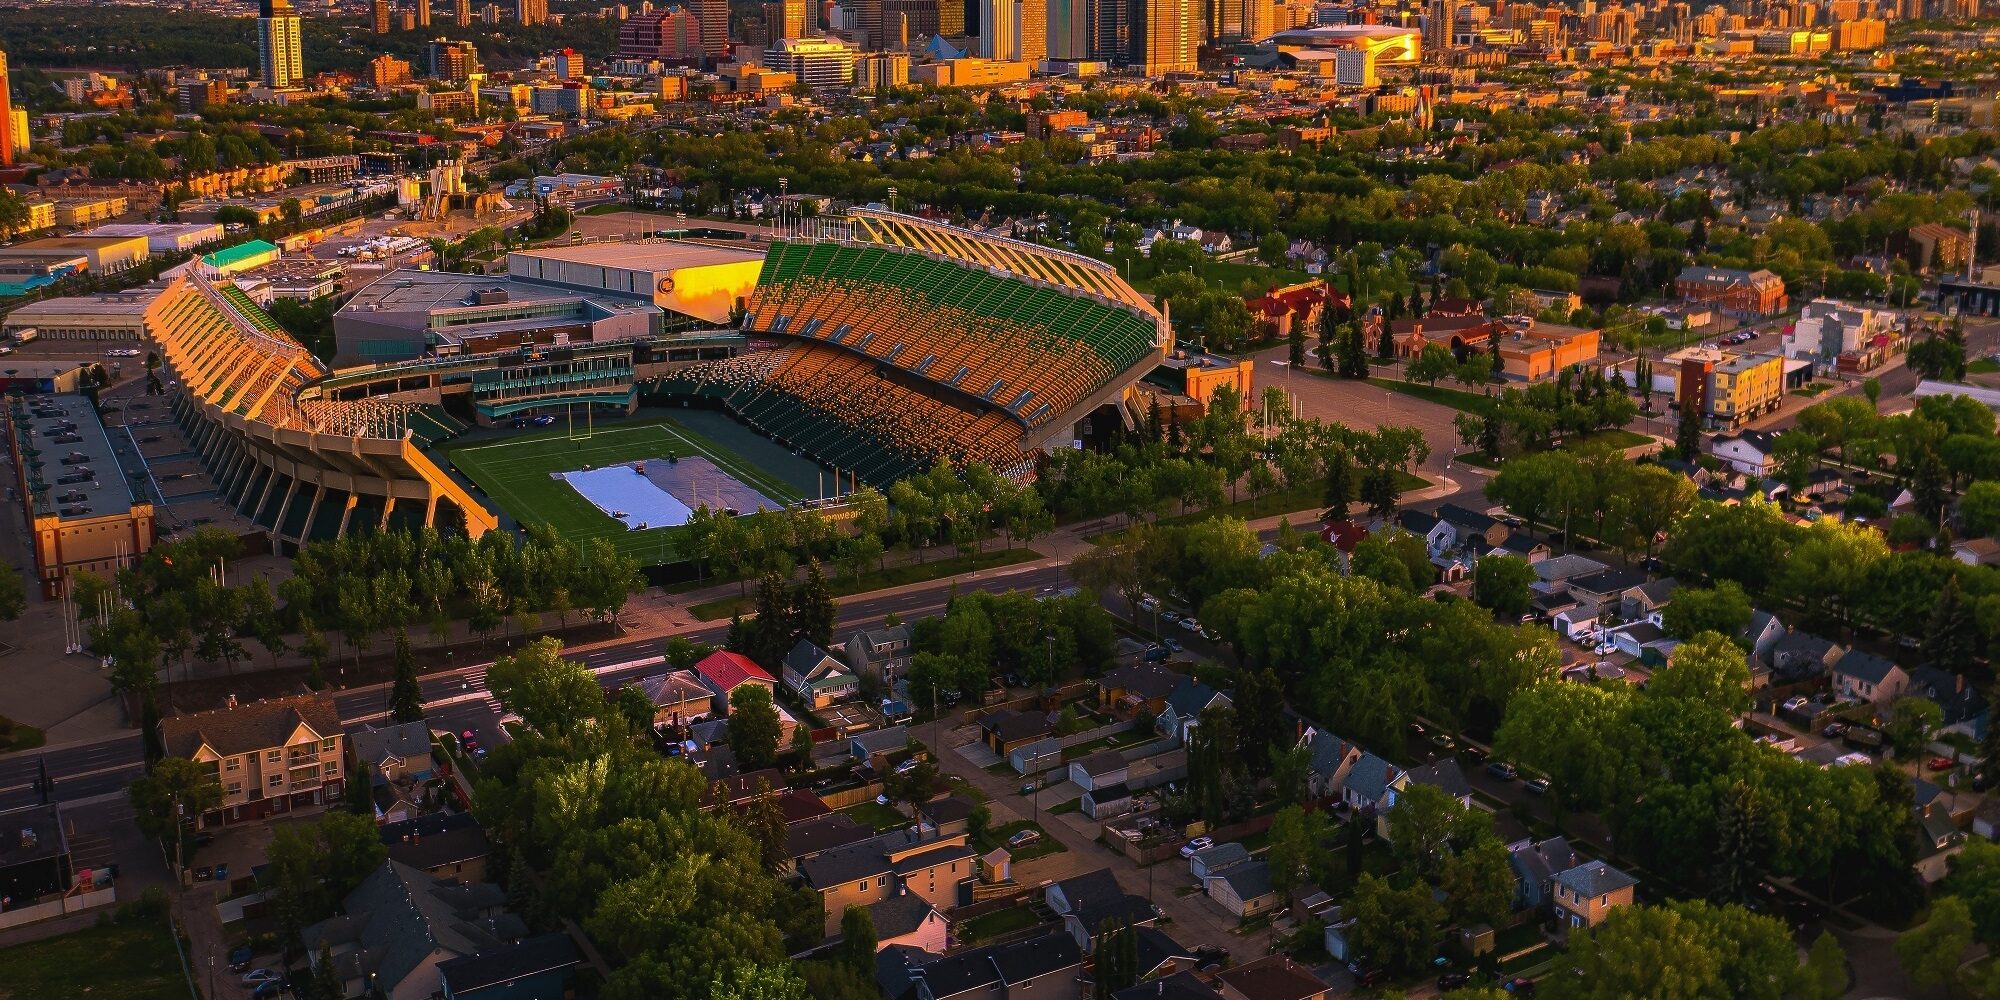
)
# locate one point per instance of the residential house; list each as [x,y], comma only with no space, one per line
[1182,985]
[1093,901]
[532,969]
[1331,759]
[816,678]
[1214,860]
[1586,894]
[876,747]
[1862,676]
[679,698]
[1536,865]
[447,845]
[1801,655]
[1647,598]
[1438,535]
[1986,819]
[1006,729]
[737,791]
[1105,767]
[1185,706]
[1244,890]
[1473,529]
[939,869]
[1964,707]
[881,654]
[1606,588]
[1160,955]
[1977,551]
[810,839]
[1369,780]
[725,671]
[1443,774]
[1274,977]
[1748,452]
[270,756]
[1763,634]
[1644,640]
[1042,968]
[1129,691]
[400,924]
[1523,546]
[910,921]
[397,760]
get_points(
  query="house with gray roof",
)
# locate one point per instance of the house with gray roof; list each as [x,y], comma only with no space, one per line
[816,677]
[1039,968]
[400,924]
[1535,865]
[1802,655]
[1763,634]
[1862,676]
[1090,902]
[1185,705]
[1210,860]
[875,747]
[1586,894]
[1330,759]
[1368,783]
[880,654]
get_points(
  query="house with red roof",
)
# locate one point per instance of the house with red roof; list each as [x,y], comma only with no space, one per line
[1294,307]
[724,672]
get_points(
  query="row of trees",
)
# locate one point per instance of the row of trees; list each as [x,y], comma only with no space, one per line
[983,635]
[1594,492]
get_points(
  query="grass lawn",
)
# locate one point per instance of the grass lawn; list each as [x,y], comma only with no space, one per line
[16,736]
[960,786]
[1615,437]
[1816,388]
[997,837]
[80,964]
[895,576]
[1303,497]
[882,818]
[1983,366]
[1457,399]
[988,926]
[516,472]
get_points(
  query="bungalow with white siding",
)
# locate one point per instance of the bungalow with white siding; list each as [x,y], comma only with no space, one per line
[1213,860]
[1244,890]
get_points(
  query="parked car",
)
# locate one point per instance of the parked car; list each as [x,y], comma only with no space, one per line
[1834,730]
[1030,788]
[1605,648]
[268,990]
[1023,838]
[1941,764]
[1453,981]
[1794,704]
[1538,785]
[1173,644]
[1519,986]
[907,766]
[1190,625]
[1443,741]
[1196,845]
[260,975]
[1149,603]
[1502,770]
[239,959]
[1170,615]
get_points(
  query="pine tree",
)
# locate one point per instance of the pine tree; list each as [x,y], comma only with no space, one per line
[1952,640]
[1739,832]
[326,982]
[1296,340]
[857,939]
[406,699]
[770,633]
[1385,343]
[813,609]
[1339,484]
[1687,436]
[1378,491]
[1489,436]
[738,638]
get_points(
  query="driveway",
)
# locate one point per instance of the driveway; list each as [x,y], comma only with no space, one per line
[1191,919]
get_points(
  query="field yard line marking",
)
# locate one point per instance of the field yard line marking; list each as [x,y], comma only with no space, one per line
[746,478]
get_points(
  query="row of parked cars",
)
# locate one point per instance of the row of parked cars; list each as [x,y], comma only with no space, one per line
[1177,616]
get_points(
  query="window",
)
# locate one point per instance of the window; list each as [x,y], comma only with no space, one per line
[864,885]
[333,767]
[329,746]
[881,881]
[275,780]
[274,756]
[232,764]
[234,788]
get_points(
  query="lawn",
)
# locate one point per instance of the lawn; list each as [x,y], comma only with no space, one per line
[895,576]
[1983,366]
[882,818]
[1457,399]
[16,736]
[988,926]
[79,964]
[1614,437]
[1303,497]
[997,837]
[516,472]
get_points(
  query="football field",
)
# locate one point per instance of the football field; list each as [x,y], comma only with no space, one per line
[519,474]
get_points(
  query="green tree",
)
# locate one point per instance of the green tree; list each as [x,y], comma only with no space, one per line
[1430,366]
[813,611]
[1500,585]
[13,596]
[1707,669]
[1298,851]
[1687,436]
[761,981]
[1642,953]
[1724,609]
[1396,927]
[1952,639]
[1975,880]
[1911,722]
[753,726]
[174,791]
[1825,974]
[857,938]
[553,696]
[1931,952]
[406,700]
[1979,509]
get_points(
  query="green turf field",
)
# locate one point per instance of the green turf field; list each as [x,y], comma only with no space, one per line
[516,471]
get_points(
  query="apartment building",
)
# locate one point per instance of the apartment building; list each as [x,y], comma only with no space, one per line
[940,870]
[271,756]
[1745,386]
[1755,293]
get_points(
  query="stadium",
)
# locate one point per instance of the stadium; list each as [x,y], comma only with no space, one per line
[592,387]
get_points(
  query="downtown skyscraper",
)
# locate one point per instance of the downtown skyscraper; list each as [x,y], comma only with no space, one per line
[280,59]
